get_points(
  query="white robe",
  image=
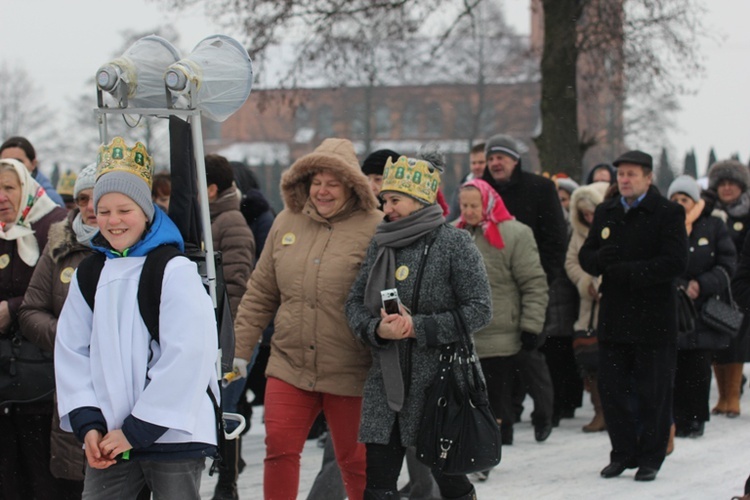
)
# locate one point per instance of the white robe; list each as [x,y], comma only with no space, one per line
[101,359]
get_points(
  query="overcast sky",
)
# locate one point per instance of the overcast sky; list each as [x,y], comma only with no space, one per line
[62,43]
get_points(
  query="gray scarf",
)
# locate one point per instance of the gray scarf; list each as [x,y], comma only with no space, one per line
[389,236]
[83,232]
[739,208]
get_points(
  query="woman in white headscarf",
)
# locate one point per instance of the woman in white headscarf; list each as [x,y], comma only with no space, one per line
[26,213]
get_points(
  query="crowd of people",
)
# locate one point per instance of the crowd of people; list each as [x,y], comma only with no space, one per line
[565,289]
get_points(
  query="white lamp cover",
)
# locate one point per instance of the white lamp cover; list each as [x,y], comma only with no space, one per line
[142,67]
[221,73]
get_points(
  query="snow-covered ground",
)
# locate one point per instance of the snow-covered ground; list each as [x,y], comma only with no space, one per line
[567,465]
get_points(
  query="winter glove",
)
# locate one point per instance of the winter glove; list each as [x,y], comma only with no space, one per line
[528,341]
[607,256]
[239,366]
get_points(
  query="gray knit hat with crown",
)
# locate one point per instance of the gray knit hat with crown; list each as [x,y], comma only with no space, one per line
[130,185]
[731,170]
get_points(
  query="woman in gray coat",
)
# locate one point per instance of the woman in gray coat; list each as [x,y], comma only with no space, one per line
[406,346]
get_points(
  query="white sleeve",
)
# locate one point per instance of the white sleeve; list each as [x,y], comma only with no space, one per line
[188,349]
[73,376]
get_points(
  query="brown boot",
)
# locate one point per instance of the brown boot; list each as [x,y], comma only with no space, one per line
[732,386]
[597,424]
[721,405]
[670,443]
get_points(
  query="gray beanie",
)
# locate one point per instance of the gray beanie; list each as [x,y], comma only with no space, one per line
[86,179]
[131,185]
[687,185]
[731,170]
[502,143]
[566,184]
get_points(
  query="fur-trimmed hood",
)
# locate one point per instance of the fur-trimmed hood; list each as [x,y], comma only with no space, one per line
[592,192]
[337,156]
[61,239]
[731,170]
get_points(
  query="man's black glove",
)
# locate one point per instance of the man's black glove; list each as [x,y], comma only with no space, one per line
[528,341]
[607,256]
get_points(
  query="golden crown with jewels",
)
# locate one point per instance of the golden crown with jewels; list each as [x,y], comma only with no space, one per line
[117,156]
[416,178]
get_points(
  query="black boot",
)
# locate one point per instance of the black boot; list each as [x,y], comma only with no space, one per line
[373,494]
[226,487]
[472,495]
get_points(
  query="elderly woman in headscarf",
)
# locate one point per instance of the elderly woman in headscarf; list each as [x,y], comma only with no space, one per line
[519,291]
[311,257]
[26,213]
[413,241]
[69,242]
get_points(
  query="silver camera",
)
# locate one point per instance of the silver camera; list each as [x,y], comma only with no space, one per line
[391,301]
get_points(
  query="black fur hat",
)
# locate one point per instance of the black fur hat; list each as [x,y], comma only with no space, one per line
[731,170]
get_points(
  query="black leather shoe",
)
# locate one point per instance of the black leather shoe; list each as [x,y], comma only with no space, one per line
[696,429]
[542,432]
[614,469]
[646,474]
[506,435]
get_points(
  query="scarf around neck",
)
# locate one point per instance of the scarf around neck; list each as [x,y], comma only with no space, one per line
[389,236]
[83,232]
[392,235]
[494,212]
[34,205]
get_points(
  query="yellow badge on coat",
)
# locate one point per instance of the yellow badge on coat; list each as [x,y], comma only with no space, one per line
[4,261]
[66,275]
[737,226]
[605,233]
[402,273]
[288,239]
[702,242]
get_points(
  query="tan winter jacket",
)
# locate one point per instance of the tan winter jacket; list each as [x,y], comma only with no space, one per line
[38,315]
[593,193]
[304,275]
[232,236]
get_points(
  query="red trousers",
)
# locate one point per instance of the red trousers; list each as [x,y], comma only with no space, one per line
[289,414]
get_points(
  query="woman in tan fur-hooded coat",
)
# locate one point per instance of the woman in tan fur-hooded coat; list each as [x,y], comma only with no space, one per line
[583,202]
[312,255]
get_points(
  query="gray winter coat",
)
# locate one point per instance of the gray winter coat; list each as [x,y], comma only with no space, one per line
[454,278]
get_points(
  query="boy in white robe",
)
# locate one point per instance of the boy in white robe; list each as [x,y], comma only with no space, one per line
[140,407]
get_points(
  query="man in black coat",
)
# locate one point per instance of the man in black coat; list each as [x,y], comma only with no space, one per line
[638,244]
[532,200]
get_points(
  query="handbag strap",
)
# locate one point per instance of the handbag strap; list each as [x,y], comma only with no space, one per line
[420,272]
[729,286]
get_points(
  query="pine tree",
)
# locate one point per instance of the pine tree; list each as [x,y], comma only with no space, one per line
[664,174]
[55,175]
[711,159]
[691,166]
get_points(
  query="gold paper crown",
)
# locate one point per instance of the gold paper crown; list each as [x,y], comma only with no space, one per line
[117,156]
[66,184]
[416,178]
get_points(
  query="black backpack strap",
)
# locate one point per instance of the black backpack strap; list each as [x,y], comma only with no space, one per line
[150,285]
[89,271]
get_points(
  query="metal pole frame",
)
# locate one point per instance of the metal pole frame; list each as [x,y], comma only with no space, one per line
[194,117]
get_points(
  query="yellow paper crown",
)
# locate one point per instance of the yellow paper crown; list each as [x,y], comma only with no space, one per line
[416,178]
[66,184]
[117,156]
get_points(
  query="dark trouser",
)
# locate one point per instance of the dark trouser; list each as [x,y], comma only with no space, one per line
[124,480]
[384,463]
[635,384]
[566,379]
[534,374]
[328,484]
[498,372]
[692,386]
[25,455]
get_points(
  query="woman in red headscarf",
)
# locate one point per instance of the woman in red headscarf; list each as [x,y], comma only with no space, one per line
[519,292]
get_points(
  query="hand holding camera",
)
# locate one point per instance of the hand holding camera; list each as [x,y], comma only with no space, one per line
[395,321]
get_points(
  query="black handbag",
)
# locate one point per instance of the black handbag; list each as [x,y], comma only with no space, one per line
[586,346]
[27,373]
[686,312]
[724,317]
[458,433]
